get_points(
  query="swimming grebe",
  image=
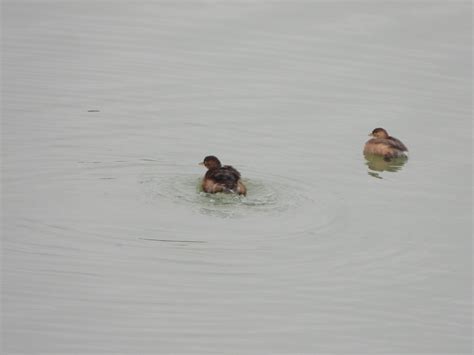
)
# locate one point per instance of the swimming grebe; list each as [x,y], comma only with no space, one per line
[220,178]
[385,145]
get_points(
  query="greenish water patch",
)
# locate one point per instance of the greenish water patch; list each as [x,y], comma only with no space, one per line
[262,197]
[378,164]
[270,199]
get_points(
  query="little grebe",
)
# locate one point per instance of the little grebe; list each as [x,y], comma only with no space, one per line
[385,145]
[220,178]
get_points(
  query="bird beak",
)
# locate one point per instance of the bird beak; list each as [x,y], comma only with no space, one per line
[201,163]
[371,134]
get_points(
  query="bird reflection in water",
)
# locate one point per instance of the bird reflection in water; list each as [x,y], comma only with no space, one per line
[378,164]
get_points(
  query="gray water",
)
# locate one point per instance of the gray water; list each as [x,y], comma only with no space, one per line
[108,244]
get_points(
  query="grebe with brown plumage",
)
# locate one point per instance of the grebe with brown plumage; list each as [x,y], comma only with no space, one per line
[385,145]
[221,178]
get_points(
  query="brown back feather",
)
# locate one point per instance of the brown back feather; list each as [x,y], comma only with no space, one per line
[226,176]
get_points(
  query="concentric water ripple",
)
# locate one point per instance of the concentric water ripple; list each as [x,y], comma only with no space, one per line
[274,205]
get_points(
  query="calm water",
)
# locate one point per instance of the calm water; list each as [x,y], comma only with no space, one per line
[108,246]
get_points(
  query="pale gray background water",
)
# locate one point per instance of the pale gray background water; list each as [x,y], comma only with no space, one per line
[107,244]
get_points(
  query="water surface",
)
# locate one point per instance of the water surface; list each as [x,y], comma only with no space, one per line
[109,246]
